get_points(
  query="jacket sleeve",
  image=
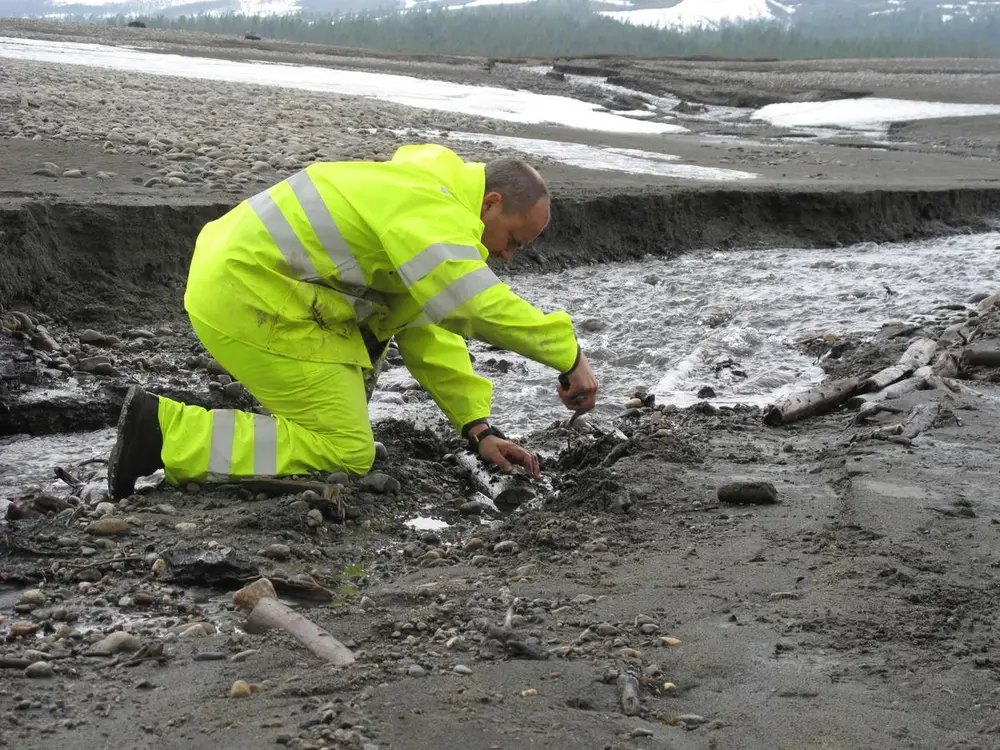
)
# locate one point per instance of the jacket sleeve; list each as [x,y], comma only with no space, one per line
[439,361]
[440,260]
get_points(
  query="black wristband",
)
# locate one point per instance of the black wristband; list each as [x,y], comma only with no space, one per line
[564,376]
[476,440]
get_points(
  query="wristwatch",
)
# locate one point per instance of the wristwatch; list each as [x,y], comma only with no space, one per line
[477,439]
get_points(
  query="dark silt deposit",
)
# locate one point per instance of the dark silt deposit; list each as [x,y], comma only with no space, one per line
[682,577]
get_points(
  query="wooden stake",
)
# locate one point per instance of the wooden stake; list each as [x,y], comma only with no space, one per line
[267,612]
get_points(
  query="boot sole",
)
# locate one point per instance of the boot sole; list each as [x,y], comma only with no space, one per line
[116,452]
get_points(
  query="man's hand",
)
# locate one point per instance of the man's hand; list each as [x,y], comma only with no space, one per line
[505,454]
[578,389]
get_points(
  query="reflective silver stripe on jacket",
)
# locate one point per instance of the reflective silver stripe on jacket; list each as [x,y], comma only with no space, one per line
[284,236]
[265,446]
[431,257]
[458,292]
[326,230]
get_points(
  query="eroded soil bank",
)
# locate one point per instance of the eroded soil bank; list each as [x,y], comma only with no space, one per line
[126,260]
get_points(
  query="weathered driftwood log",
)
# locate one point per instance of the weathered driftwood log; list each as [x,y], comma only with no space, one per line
[920,419]
[989,303]
[896,390]
[870,409]
[957,334]
[267,612]
[885,377]
[945,365]
[505,490]
[884,432]
[628,694]
[816,400]
[983,354]
[918,354]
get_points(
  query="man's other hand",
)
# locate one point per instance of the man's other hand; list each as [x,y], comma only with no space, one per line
[579,393]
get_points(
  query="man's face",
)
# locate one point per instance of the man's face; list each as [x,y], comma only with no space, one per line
[506,233]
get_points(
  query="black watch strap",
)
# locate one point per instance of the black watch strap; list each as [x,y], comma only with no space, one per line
[477,439]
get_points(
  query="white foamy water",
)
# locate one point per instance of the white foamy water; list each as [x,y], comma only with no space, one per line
[484,101]
[728,320]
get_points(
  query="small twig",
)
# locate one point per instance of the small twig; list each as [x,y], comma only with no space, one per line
[68,478]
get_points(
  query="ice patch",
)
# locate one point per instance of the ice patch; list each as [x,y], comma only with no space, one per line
[423,523]
[605,158]
[865,114]
[483,101]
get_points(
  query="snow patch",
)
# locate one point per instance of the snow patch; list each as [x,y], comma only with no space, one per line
[696,13]
[865,114]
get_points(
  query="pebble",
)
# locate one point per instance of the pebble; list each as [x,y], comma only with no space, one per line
[209,656]
[508,545]
[583,599]
[243,655]
[692,720]
[415,670]
[22,629]
[278,551]
[473,544]
[380,483]
[461,669]
[747,493]
[240,689]
[33,597]
[116,642]
[39,669]
[381,452]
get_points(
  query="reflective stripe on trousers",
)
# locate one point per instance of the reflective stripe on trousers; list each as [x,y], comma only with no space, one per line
[224,449]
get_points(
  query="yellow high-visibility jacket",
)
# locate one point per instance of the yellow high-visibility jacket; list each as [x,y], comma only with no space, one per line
[394,246]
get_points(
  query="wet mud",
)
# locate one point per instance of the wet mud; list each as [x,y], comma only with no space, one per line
[495,622]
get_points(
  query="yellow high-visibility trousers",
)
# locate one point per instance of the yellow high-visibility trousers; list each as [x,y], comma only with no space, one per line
[319,419]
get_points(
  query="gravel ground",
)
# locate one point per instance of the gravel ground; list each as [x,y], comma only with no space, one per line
[857,611]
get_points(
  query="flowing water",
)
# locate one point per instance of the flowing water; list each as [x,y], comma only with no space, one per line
[724,319]
[673,326]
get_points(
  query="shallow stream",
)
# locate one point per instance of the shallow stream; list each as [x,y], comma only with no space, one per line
[728,320]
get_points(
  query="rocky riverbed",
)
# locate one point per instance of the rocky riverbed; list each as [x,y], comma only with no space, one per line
[732,619]
[853,608]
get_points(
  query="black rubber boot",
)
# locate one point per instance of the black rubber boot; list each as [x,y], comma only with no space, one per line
[137,449]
